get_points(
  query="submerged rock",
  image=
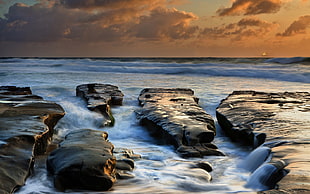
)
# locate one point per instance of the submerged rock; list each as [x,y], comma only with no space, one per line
[277,120]
[125,162]
[256,158]
[84,160]
[174,117]
[26,126]
[204,165]
[100,97]
[267,175]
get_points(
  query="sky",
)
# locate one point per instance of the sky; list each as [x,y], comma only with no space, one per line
[154,28]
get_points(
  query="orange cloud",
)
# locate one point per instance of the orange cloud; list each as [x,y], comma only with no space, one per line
[245,28]
[251,7]
[112,4]
[95,21]
[297,27]
[165,23]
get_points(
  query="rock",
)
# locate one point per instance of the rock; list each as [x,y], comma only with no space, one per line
[204,165]
[125,162]
[126,153]
[174,117]
[267,175]
[277,120]
[256,158]
[27,125]
[100,97]
[84,160]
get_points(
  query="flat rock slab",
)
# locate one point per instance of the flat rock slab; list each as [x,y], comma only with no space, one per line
[277,120]
[100,97]
[174,117]
[26,126]
[84,160]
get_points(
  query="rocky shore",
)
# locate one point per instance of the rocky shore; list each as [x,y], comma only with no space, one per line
[279,122]
[275,125]
[27,125]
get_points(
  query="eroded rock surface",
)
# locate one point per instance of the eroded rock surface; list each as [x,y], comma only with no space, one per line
[277,120]
[125,162]
[100,97]
[26,126]
[174,117]
[84,160]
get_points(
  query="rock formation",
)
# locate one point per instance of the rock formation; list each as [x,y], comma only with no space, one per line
[100,97]
[174,117]
[26,125]
[125,162]
[277,120]
[84,160]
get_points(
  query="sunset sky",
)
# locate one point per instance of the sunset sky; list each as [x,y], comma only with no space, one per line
[182,28]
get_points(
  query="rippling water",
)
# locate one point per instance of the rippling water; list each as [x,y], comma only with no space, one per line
[160,170]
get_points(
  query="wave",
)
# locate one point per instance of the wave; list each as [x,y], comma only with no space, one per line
[247,70]
[289,60]
[225,67]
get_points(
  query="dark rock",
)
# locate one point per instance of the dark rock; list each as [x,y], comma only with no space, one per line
[278,120]
[126,153]
[100,97]
[13,90]
[84,160]
[267,175]
[198,150]
[124,175]
[204,165]
[125,162]
[174,117]
[256,158]
[26,126]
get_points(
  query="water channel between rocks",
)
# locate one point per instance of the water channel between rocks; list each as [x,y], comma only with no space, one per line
[160,170]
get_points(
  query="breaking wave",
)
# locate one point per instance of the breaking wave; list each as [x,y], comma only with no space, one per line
[289,60]
[296,69]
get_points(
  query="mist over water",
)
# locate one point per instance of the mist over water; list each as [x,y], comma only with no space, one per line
[160,170]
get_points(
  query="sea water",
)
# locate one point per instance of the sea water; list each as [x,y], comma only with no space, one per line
[160,169]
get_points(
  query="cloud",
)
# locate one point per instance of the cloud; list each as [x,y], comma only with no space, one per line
[297,27]
[34,23]
[111,4]
[165,23]
[246,28]
[95,21]
[251,7]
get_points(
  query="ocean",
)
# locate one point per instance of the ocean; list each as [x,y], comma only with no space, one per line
[160,170]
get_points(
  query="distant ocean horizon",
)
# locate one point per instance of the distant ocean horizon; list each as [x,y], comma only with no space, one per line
[160,169]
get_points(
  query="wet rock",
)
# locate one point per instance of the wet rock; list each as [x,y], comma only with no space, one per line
[174,117]
[256,158]
[277,120]
[126,153]
[26,126]
[204,165]
[125,159]
[267,175]
[100,97]
[84,160]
